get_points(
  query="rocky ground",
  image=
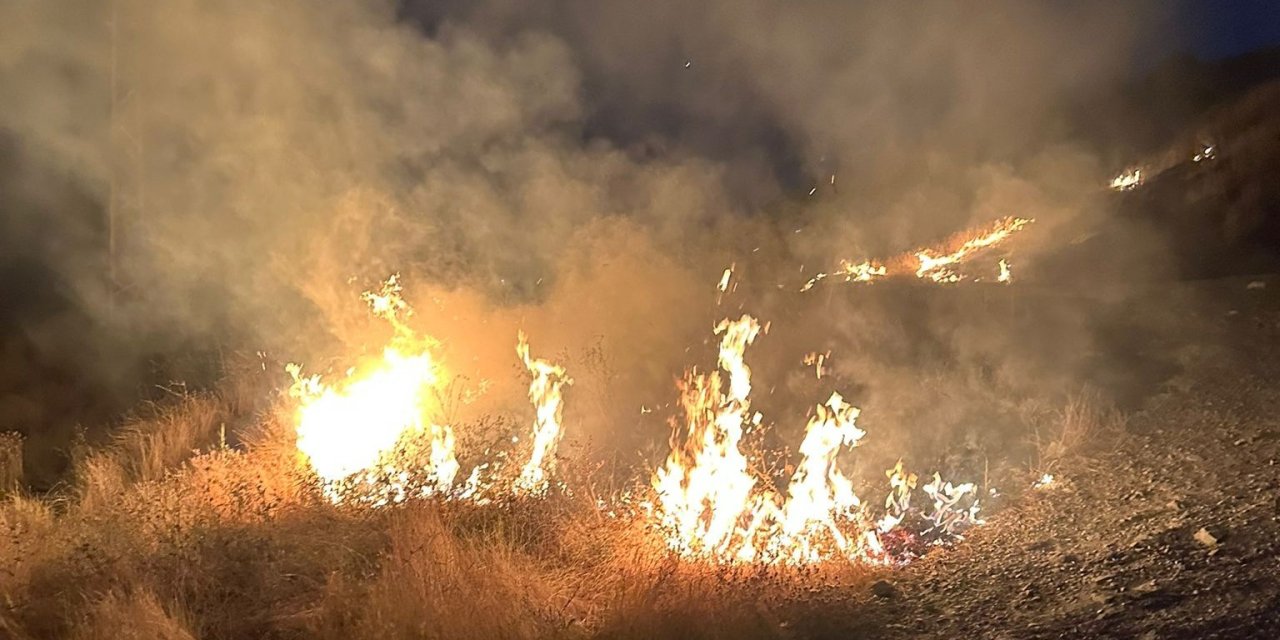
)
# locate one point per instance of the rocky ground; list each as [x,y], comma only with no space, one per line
[1167,528]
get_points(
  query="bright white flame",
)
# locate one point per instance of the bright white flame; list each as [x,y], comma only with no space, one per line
[1128,180]
[545,392]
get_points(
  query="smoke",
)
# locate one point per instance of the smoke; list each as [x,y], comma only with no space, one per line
[583,170]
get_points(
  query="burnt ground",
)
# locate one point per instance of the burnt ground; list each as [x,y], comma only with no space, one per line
[1111,549]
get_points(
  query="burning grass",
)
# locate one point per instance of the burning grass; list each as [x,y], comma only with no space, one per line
[245,542]
[342,511]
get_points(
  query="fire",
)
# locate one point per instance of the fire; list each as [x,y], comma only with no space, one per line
[937,264]
[723,285]
[545,393]
[704,489]
[1128,180]
[949,510]
[373,422]
[820,498]
[711,507]
[369,437]
[863,271]
[817,361]
[1005,275]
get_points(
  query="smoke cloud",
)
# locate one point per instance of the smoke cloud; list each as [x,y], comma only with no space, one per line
[583,170]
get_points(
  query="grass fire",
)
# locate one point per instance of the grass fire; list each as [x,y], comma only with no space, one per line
[429,319]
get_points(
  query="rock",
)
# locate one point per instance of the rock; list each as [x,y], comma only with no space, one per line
[883,589]
[1205,538]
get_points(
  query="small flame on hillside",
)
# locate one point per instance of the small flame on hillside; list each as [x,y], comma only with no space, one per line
[938,263]
[1128,180]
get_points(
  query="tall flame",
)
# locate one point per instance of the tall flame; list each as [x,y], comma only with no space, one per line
[545,392]
[712,507]
[820,498]
[704,488]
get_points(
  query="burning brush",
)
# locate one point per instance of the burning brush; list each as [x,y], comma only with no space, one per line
[937,264]
[369,438]
[710,507]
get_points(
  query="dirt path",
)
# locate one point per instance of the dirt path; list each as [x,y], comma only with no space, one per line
[1111,549]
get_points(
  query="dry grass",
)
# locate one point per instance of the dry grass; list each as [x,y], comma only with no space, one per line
[137,615]
[157,542]
[1086,419]
[148,446]
[10,462]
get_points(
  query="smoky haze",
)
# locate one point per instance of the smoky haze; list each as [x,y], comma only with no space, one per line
[583,170]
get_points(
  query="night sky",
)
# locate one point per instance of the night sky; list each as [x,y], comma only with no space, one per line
[1213,29]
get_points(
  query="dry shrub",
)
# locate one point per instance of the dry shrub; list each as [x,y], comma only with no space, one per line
[24,525]
[1085,419]
[135,615]
[434,583]
[148,447]
[10,461]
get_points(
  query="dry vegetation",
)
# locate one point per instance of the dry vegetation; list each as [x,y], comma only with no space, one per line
[166,532]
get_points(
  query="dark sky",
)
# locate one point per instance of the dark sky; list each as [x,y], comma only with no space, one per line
[1213,29]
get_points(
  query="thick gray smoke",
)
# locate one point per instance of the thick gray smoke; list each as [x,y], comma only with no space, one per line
[582,169]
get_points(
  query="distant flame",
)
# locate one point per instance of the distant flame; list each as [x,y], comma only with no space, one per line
[1128,180]
[937,264]
[1005,275]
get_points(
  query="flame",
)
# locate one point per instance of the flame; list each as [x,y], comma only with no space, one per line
[898,502]
[373,421]
[864,271]
[712,507]
[545,392]
[820,498]
[936,265]
[817,361]
[949,511]
[723,285]
[932,263]
[704,488]
[371,431]
[1128,180]
[1005,275]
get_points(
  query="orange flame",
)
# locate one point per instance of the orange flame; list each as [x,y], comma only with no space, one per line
[934,263]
